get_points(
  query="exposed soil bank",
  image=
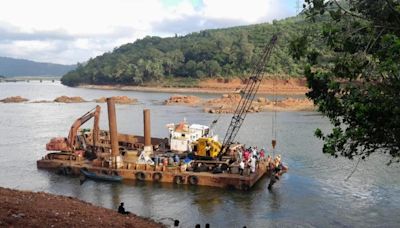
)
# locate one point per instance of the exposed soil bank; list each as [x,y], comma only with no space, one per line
[268,86]
[29,209]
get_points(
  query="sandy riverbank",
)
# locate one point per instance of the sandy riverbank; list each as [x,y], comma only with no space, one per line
[268,86]
[30,209]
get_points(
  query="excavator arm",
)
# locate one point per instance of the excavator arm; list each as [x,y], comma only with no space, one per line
[70,143]
[247,96]
[71,140]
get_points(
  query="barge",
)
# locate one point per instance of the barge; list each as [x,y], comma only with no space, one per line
[138,158]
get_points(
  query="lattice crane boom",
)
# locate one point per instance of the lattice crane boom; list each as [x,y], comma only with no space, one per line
[248,94]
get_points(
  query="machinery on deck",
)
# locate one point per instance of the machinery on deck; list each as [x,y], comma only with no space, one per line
[215,150]
[247,96]
[207,147]
[70,144]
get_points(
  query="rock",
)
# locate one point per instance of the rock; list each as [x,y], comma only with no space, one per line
[227,103]
[118,100]
[66,99]
[19,215]
[182,99]
[100,100]
[261,100]
[16,99]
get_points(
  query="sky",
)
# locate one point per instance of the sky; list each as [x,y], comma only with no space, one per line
[71,31]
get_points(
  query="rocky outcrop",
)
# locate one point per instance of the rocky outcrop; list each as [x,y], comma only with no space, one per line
[16,99]
[118,100]
[183,99]
[66,99]
[228,103]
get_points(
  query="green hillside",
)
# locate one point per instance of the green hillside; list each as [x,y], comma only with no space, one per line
[226,52]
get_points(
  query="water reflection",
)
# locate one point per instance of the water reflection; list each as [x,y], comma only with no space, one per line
[275,201]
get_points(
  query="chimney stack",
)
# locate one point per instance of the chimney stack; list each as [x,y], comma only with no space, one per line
[147,135]
[112,121]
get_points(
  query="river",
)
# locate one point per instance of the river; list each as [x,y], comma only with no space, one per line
[314,193]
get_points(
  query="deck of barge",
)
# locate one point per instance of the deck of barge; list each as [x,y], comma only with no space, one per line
[142,172]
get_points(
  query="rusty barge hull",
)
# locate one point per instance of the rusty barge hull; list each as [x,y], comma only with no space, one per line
[149,173]
[129,157]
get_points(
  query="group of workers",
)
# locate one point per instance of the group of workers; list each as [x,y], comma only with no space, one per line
[250,157]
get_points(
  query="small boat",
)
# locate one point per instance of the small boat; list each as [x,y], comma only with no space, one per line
[101,176]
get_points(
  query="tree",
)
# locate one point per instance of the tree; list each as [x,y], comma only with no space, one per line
[357,86]
[212,68]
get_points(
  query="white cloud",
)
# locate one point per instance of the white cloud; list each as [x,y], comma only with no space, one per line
[67,31]
[250,11]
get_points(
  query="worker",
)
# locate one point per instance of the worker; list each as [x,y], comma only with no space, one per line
[246,155]
[170,160]
[176,223]
[241,167]
[121,209]
[253,164]
[176,159]
[274,178]
[269,162]
[277,164]
[239,155]
[254,151]
[262,154]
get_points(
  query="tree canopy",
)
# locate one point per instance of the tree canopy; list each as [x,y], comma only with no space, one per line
[220,52]
[357,86]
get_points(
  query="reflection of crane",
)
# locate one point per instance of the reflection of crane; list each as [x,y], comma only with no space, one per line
[248,95]
[70,143]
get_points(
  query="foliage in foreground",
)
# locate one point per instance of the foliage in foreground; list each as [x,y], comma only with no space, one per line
[358,86]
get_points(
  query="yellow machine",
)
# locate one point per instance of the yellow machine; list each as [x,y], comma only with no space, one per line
[207,147]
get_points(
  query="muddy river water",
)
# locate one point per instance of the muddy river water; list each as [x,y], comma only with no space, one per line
[314,193]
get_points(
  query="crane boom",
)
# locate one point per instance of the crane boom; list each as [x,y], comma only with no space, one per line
[247,95]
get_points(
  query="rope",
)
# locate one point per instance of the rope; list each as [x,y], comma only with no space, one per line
[353,171]
[273,127]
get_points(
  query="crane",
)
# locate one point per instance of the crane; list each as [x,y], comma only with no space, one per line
[248,95]
[70,143]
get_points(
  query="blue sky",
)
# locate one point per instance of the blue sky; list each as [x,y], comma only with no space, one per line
[70,31]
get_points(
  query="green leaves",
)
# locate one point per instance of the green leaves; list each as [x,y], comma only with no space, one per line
[359,89]
[298,47]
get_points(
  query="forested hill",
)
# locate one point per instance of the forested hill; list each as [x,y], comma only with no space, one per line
[226,52]
[11,67]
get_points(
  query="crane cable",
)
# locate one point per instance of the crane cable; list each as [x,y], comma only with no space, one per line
[273,124]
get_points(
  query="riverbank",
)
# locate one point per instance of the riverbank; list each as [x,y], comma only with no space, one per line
[30,209]
[268,86]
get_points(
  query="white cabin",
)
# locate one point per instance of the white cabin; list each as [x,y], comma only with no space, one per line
[182,135]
